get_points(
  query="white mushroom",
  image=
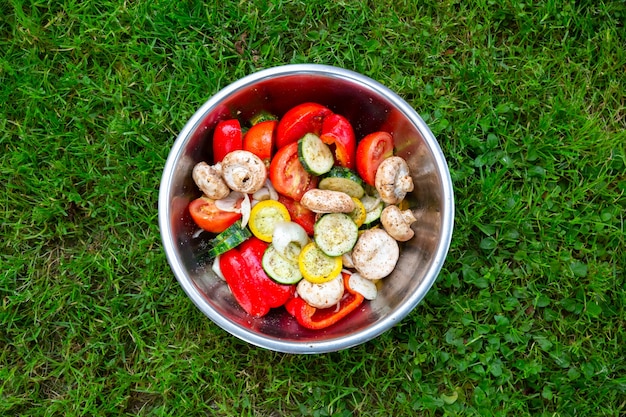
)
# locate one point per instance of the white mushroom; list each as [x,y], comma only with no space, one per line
[398,223]
[393,180]
[243,171]
[375,254]
[209,180]
[322,295]
[327,201]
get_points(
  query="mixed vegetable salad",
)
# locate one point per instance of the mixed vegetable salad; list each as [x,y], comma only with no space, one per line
[303,215]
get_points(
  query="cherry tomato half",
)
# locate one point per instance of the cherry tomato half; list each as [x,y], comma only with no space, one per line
[210,218]
[288,175]
[337,132]
[299,214]
[226,138]
[370,152]
[300,120]
[260,139]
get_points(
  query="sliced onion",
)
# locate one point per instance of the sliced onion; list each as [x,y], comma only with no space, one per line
[370,204]
[267,192]
[346,258]
[365,287]
[216,268]
[262,194]
[229,203]
[271,189]
[289,238]
[197,233]
[245,210]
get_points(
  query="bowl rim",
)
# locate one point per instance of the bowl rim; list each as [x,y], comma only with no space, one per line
[332,344]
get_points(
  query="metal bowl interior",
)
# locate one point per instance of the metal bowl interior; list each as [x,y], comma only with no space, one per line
[370,106]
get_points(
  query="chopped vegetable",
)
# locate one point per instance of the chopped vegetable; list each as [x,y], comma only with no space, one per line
[324,295]
[337,132]
[209,180]
[261,117]
[359,214]
[255,292]
[313,318]
[230,238]
[370,152]
[300,120]
[314,154]
[264,216]
[288,175]
[243,171]
[393,180]
[260,139]
[365,287]
[398,223]
[344,180]
[373,209]
[316,266]
[279,268]
[209,217]
[375,254]
[226,138]
[336,234]
[327,201]
[299,214]
[289,238]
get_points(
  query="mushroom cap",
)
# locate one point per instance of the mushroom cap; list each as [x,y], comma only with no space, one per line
[375,254]
[209,180]
[244,171]
[322,295]
[398,223]
[327,201]
[393,180]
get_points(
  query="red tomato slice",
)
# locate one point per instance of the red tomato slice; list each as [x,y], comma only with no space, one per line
[300,120]
[337,131]
[226,138]
[260,139]
[288,175]
[208,217]
[370,152]
[299,214]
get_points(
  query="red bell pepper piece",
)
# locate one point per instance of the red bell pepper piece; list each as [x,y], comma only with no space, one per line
[226,138]
[255,292]
[300,120]
[337,131]
[315,318]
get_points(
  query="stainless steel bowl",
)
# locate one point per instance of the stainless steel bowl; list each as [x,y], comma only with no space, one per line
[370,106]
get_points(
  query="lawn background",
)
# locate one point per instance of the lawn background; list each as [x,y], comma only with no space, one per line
[527,100]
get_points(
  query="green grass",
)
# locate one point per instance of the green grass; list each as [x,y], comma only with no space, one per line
[527,100]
